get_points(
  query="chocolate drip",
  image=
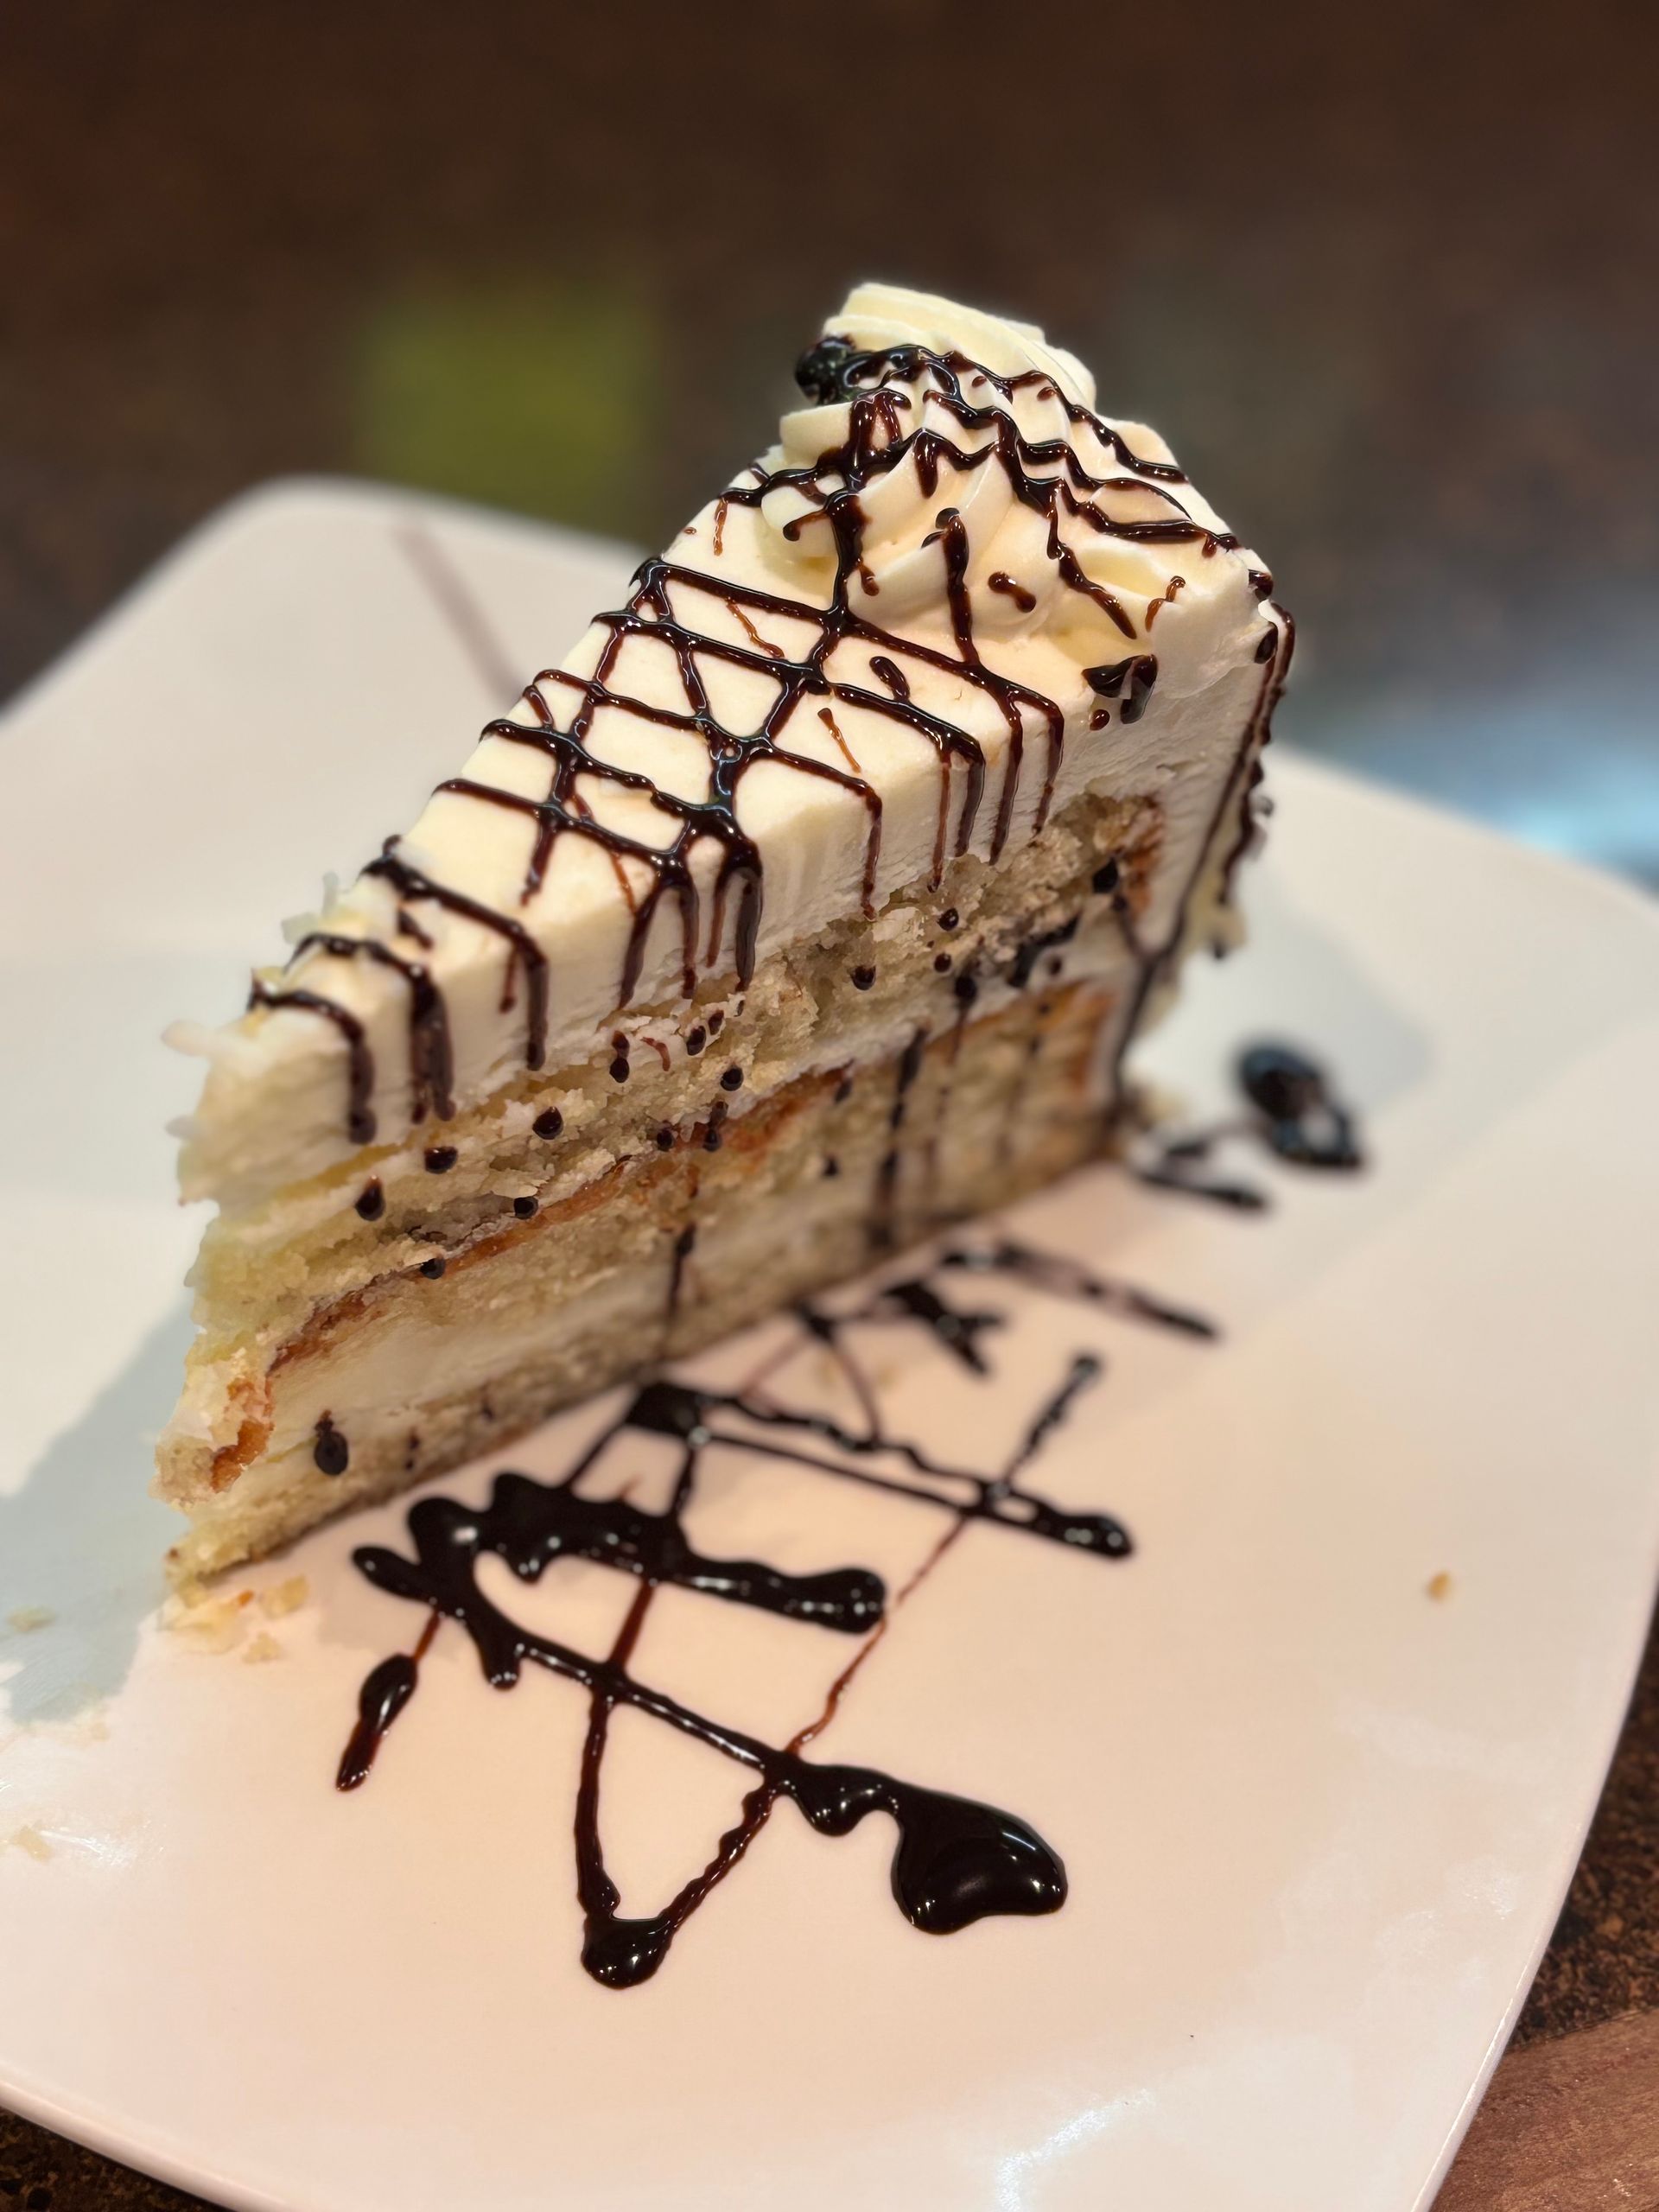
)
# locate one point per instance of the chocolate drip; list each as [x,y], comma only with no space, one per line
[964,989]
[1031,950]
[523,951]
[1139,672]
[1235,802]
[360,1060]
[684,1244]
[999,580]
[882,1226]
[953,536]
[329,1449]
[1175,584]
[431,1071]
[1257,737]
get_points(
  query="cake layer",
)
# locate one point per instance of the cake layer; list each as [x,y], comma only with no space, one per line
[665,1253]
[853,994]
[1068,909]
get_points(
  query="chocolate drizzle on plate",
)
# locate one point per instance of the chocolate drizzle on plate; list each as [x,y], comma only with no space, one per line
[896,399]
[955,1860]
[1301,1116]
[1295,1112]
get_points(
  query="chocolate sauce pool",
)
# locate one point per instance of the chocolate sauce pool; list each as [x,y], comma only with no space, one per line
[1295,1112]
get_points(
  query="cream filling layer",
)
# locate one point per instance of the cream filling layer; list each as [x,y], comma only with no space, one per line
[1097,951]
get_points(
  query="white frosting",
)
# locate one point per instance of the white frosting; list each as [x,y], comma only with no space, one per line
[273,1110]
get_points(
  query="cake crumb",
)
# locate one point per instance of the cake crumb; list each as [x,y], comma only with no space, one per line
[210,1624]
[285,1597]
[27,1618]
[31,1840]
[1438,1587]
[263,1647]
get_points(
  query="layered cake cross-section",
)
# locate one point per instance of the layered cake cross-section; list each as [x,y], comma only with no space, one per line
[812,900]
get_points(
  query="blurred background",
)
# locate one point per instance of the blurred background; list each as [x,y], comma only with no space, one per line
[1385,276]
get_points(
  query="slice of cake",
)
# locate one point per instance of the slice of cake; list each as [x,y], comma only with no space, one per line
[813,899]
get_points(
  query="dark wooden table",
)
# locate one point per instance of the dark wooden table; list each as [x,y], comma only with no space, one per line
[1384,275]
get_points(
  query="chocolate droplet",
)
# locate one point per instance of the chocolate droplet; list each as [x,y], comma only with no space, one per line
[330,1450]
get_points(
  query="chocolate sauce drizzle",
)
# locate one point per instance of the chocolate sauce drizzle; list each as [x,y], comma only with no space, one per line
[1295,1112]
[1047,475]
[954,1861]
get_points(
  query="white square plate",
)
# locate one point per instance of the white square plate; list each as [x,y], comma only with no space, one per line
[1317,1823]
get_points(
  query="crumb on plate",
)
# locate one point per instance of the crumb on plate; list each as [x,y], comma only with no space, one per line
[285,1597]
[209,1624]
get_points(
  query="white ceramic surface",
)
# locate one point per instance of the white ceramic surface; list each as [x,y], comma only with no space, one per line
[1318,1823]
